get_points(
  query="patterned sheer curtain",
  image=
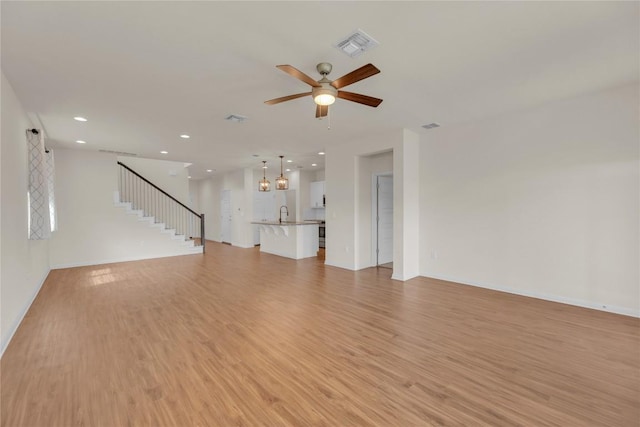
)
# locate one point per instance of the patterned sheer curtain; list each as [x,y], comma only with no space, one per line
[42,209]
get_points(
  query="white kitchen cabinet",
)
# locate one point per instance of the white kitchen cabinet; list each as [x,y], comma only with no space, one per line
[264,205]
[316,194]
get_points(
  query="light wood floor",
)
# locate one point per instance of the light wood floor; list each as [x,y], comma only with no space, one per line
[239,338]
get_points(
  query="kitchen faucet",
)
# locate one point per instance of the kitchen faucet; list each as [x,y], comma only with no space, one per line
[286,211]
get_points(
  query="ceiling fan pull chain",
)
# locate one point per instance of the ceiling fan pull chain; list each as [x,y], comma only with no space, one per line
[328,118]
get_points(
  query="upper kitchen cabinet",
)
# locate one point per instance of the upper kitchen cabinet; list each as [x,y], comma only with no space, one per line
[316,194]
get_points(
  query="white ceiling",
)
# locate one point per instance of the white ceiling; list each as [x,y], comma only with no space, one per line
[145,72]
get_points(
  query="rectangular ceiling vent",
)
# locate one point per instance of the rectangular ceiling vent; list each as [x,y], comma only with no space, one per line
[431,125]
[237,118]
[356,43]
[119,153]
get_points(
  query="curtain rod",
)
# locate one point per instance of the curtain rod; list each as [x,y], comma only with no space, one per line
[35,131]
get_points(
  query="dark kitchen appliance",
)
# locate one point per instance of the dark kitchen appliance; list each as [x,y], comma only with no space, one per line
[321,231]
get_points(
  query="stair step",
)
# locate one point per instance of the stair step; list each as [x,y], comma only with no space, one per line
[188,244]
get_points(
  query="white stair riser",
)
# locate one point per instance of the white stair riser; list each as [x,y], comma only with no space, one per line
[187,244]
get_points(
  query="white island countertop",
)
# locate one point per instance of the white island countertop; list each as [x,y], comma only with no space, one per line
[294,239]
[285,223]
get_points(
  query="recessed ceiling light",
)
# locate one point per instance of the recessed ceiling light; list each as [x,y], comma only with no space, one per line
[185,136]
[209,170]
[164,152]
[313,164]
[289,161]
[321,153]
[81,141]
[288,170]
[189,177]
[80,119]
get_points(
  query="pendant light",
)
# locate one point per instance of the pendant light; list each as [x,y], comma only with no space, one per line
[282,183]
[264,184]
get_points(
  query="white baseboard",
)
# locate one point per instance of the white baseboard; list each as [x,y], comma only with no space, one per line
[403,278]
[626,311]
[114,260]
[344,266]
[25,309]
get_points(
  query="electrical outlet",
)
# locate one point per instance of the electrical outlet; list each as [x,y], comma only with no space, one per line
[434,255]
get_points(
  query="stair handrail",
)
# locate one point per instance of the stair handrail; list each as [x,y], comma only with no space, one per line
[201,216]
[159,189]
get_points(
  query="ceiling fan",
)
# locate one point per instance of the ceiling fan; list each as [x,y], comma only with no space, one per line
[325,91]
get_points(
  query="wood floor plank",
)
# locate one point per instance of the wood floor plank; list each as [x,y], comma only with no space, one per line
[235,337]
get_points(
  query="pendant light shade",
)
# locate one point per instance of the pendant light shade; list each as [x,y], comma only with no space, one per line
[264,184]
[282,183]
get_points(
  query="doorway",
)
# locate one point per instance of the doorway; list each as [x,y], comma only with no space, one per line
[225,217]
[383,220]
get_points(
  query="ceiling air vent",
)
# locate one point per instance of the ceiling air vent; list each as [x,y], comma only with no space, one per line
[119,153]
[356,43]
[431,125]
[236,118]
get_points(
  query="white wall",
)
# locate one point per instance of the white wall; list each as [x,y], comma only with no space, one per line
[304,180]
[346,245]
[91,229]
[208,191]
[544,202]
[242,232]
[292,196]
[406,207]
[25,263]
[241,184]
[194,195]
[172,177]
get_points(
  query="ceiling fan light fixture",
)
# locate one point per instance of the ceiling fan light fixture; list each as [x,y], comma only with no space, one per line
[325,94]
[282,183]
[264,184]
[324,91]
[324,99]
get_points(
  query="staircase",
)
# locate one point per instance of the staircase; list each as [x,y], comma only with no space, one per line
[140,197]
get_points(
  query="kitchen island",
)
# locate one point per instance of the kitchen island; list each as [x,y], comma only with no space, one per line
[295,240]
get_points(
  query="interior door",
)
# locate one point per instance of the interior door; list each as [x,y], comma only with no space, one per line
[385,219]
[225,216]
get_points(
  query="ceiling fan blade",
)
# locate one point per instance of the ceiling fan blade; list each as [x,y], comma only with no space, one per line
[360,99]
[293,71]
[355,76]
[322,111]
[286,98]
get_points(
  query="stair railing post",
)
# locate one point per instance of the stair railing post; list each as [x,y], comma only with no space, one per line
[202,231]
